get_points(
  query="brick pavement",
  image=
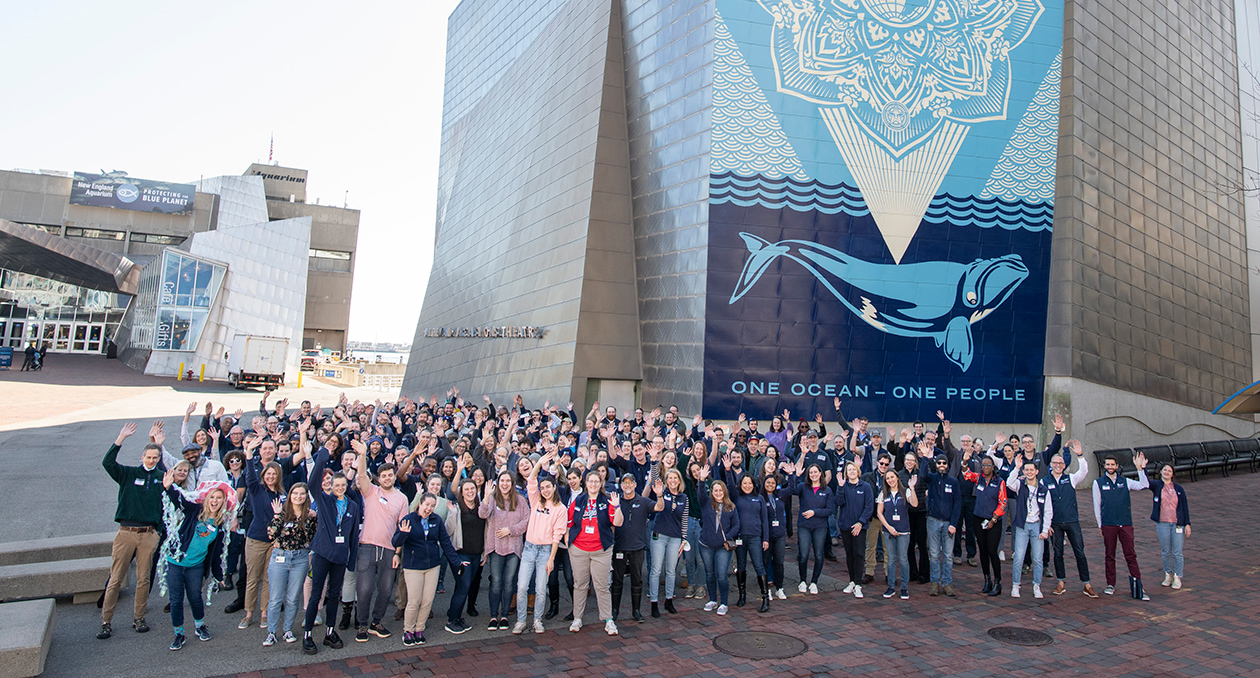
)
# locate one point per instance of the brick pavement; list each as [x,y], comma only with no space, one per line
[1209,628]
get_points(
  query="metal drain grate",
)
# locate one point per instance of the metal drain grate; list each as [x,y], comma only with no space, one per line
[1014,635]
[759,645]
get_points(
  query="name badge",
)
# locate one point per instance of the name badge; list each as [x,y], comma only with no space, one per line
[280,559]
[739,542]
[140,482]
[290,525]
[1180,529]
[896,516]
[384,501]
[949,490]
[774,523]
[621,556]
[339,539]
[590,529]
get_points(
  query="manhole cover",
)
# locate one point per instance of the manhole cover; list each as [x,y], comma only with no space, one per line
[759,645]
[1017,636]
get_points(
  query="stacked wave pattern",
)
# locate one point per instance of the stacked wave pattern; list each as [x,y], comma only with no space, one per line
[747,138]
[1026,169]
[805,196]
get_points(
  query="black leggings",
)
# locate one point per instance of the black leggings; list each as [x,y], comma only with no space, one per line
[324,569]
[919,567]
[854,552]
[987,543]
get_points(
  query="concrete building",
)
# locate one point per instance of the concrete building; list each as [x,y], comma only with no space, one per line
[75,249]
[1003,212]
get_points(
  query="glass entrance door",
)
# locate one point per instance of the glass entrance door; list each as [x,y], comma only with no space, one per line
[96,332]
[79,345]
[62,343]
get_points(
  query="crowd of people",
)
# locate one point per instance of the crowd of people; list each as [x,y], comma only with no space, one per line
[337,514]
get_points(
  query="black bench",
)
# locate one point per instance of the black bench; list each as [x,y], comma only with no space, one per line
[1245,450]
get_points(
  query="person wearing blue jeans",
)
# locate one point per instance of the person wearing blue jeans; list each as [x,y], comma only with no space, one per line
[719,527]
[892,509]
[196,536]
[1032,514]
[693,562]
[669,531]
[1171,515]
[291,530]
[944,509]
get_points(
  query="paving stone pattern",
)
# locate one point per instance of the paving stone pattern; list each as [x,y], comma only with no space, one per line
[1209,628]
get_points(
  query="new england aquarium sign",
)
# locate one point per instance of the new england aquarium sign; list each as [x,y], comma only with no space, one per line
[881,204]
[119,191]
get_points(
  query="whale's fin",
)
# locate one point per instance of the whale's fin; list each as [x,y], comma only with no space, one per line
[761,254]
[959,346]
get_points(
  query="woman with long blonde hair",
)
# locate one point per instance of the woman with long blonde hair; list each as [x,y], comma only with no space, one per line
[196,539]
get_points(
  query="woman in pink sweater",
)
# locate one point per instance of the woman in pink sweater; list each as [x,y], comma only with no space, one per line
[507,515]
[548,521]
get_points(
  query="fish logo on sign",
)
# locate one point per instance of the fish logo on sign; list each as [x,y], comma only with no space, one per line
[127,193]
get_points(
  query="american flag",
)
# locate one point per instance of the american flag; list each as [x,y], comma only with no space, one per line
[272,152]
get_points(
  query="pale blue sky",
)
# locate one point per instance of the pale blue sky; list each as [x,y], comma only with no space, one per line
[175,90]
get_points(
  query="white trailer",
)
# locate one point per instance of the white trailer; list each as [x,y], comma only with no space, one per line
[257,361]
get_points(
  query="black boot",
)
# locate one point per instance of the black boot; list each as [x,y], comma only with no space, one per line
[656,610]
[347,615]
[669,606]
[741,578]
[616,605]
[988,584]
[765,595]
[997,587]
[553,609]
[636,615]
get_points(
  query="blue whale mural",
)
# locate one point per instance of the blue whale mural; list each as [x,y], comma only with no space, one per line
[938,299]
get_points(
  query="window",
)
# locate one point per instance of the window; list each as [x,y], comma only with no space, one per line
[97,233]
[155,239]
[176,293]
[329,260]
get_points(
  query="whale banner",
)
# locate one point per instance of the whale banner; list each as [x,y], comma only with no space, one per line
[881,207]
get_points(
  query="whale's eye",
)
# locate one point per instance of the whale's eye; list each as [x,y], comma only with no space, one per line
[971,298]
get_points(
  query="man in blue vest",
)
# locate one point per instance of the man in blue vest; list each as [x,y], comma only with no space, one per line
[1066,517]
[1114,513]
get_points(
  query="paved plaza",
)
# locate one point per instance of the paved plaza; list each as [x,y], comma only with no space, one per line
[55,432]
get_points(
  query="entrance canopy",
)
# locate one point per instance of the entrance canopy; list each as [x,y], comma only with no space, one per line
[1246,401]
[30,250]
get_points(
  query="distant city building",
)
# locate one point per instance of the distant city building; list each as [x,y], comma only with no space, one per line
[171,272]
[1004,211]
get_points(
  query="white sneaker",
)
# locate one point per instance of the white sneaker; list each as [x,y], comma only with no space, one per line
[849,588]
[270,640]
[721,609]
[538,626]
[1167,579]
[710,606]
[289,637]
[1014,590]
[857,591]
[1176,582]
[1037,591]
[518,629]
[1002,556]
[575,626]
[813,589]
[1110,590]
[610,627]
[782,595]
[802,587]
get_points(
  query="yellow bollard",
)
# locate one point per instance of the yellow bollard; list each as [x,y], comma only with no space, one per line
[203,372]
[180,376]
[299,378]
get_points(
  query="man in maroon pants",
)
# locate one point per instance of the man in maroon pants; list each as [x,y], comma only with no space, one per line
[1114,513]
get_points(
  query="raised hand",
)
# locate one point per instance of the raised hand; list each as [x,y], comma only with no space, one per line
[1058,423]
[1075,446]
[191,408]
[360,448]
[696,421]
[704,473]
[486,398]
[156,433]
[238,414]
[1139,460]
[168,478]
[209,408]
[818,418]
[658,487]
[940,415]
[615,501]
[946,427]
[404,525]
[277,505]
[128,430]
[742,418]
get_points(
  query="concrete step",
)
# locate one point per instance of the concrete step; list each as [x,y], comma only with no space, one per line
[26,630]
[53,579]
[58,548]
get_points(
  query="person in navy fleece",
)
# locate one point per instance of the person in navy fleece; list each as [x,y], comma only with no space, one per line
[855,502]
